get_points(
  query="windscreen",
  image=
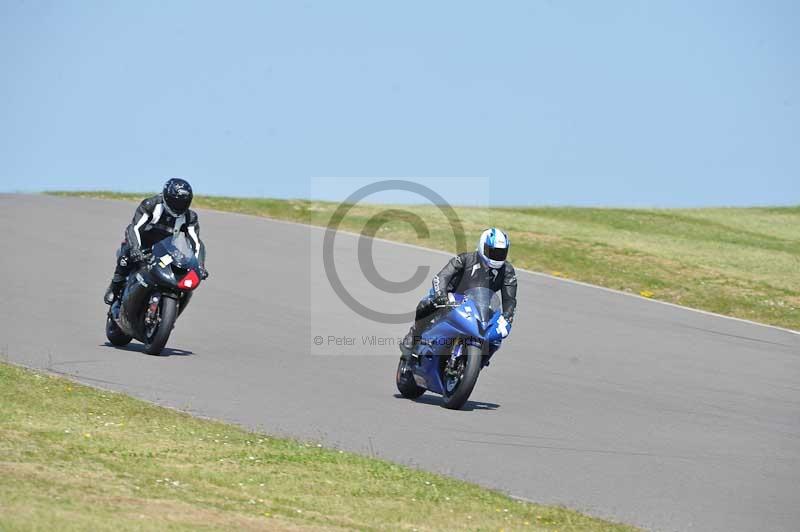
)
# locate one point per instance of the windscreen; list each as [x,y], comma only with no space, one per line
[486,301]
[178,247]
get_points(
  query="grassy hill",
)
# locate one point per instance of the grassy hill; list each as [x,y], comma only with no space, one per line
[742,262]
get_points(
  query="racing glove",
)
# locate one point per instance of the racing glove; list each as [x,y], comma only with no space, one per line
[136,255]
[440,299]
[503,326]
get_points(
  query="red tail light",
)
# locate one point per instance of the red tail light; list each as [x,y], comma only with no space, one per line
[189,281]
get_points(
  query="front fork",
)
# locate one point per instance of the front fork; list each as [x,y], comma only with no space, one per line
[451,364]
[151,314]
[456,352]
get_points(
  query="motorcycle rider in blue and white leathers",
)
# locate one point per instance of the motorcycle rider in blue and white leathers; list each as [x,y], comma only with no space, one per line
[485,267]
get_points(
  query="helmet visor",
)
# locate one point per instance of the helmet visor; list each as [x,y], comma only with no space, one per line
[179,204]
[495,253]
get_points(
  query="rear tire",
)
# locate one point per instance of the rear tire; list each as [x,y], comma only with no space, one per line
[115,334]
[456,399]
[406,384]
[169,311]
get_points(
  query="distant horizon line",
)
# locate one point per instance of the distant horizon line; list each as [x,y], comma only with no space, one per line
[145,194]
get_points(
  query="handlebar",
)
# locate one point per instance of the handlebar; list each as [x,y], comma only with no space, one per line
[451,302]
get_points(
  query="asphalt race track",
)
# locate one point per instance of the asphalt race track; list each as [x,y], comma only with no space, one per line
[620,407]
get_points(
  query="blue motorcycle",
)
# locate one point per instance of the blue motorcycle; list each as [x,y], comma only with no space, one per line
[453,349]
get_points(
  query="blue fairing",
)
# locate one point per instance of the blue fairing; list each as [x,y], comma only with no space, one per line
[460,323]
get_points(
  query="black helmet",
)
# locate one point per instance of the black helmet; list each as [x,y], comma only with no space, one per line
[177,195]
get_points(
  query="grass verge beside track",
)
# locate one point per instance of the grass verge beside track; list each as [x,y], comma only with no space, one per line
[741,262]
[78,458]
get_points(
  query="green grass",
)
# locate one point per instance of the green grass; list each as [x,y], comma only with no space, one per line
[742,262]
[78,458]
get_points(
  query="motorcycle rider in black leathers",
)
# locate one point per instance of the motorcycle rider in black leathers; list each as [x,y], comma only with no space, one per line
[157,218]
[484,267]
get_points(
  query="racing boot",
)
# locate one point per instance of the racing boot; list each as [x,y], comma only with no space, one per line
[113,291]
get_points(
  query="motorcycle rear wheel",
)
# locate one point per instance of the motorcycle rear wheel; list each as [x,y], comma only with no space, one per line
[457,397]
[115,334]
[168,311]
[406,384]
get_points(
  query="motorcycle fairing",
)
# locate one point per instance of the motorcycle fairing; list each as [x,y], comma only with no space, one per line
[128,311]
[460,323]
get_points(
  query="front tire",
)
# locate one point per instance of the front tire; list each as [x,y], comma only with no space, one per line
[115,334]
[455,398]
[168,312]
[406,384]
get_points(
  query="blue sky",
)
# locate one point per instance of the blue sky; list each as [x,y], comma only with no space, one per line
[586,103]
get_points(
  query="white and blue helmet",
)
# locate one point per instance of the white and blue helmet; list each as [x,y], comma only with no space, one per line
[493,247]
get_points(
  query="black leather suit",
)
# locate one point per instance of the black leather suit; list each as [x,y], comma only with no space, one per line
[152,222]
[467,271]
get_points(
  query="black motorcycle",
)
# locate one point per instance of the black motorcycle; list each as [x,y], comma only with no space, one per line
[155,295]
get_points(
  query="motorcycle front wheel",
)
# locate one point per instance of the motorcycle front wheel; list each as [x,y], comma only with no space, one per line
[460,377]
[158,336]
